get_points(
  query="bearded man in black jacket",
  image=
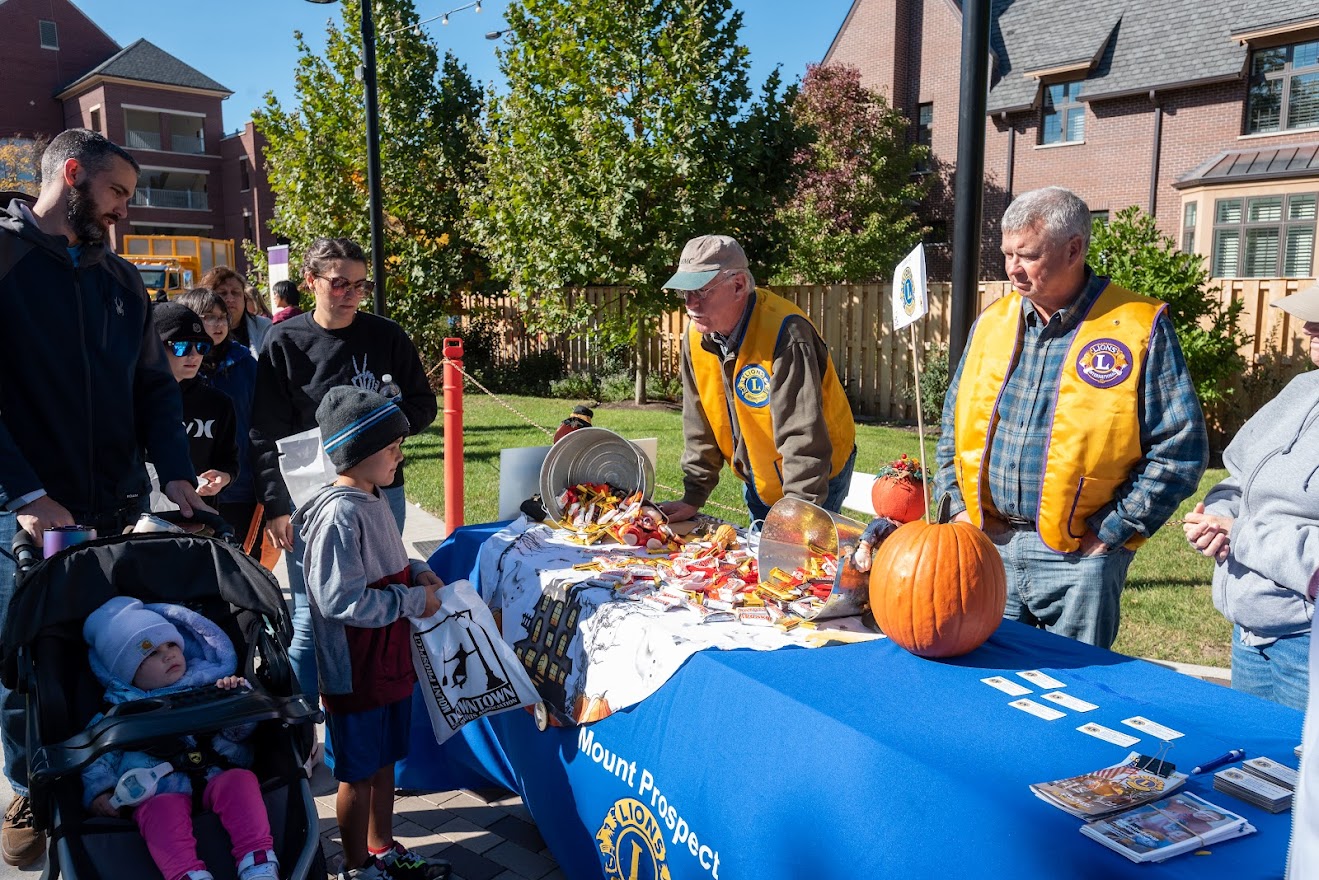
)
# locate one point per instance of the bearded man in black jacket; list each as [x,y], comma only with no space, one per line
[83,387]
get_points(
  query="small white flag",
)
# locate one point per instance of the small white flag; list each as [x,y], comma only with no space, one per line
[910,297]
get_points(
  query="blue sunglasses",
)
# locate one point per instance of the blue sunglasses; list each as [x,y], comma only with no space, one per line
[180,349]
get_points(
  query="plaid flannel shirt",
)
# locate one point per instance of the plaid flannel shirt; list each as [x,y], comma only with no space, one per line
[1172,429]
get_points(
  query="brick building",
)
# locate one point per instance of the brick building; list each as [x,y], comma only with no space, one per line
[1204,114]
[62,71]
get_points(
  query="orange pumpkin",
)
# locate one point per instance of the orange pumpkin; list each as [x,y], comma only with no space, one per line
[897,498]
[938,589]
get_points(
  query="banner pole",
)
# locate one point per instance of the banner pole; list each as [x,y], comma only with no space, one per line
[920,418]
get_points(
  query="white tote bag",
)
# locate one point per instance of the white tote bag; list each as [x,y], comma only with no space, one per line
[466,669]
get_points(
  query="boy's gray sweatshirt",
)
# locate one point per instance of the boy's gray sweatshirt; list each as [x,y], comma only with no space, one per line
[1272,494]
[358,575]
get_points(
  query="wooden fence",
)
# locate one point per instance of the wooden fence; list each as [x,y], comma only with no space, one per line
[856,320]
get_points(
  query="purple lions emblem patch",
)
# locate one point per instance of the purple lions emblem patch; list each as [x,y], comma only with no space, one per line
[1104,363]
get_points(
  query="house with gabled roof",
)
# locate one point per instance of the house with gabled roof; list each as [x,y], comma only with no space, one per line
[62,71]
[1204,114]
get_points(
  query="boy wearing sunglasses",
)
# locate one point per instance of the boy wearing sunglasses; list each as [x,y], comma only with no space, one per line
[208,414]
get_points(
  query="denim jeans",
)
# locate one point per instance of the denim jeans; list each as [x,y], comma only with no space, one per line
[302,648]
[838,489]
[1065,593]
[1279,672]
[13,707]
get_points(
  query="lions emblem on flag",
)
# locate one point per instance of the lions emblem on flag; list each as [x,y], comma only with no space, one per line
[1104,363]
[908,291]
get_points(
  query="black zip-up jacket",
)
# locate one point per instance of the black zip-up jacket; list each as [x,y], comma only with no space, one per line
[84,384]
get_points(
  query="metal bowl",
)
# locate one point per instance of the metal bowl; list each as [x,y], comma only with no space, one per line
[593,455]
[792,527]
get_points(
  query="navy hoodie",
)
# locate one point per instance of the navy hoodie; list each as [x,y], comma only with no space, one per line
[84,384]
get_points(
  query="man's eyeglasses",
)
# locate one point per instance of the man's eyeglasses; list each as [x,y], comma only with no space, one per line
[342,286]
[181,348]
[704,292]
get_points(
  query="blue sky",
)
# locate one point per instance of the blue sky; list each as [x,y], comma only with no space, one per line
[247,45]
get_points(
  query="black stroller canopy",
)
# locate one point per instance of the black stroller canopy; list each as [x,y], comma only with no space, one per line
[159,567]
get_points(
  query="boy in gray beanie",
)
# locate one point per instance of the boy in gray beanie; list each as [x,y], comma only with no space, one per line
[362,589]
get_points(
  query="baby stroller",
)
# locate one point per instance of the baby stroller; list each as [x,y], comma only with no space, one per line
[45,657]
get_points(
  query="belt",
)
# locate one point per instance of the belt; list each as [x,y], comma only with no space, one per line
[1015,523]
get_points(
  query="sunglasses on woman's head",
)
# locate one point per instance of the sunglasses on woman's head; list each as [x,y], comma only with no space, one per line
[181,348]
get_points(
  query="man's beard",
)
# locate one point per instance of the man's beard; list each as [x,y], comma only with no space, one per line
[80,208]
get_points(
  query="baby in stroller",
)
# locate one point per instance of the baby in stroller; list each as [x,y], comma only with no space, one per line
[138,651]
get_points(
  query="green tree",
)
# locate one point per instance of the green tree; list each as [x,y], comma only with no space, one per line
[852,217]
[316,161]
[1130,250]
[609,149]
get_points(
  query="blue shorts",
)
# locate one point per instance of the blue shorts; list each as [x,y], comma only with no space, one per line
[358,744]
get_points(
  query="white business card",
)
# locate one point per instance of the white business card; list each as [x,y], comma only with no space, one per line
[1067,701]
[1153,728]
[1011,688]
[1037,709]
[1041,680]
[1099,731]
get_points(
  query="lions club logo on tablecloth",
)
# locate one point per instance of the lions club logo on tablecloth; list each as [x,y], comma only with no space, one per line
[632,843]
[753,386]
[1104,363]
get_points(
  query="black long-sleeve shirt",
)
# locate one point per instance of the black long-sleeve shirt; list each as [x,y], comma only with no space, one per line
[302,360]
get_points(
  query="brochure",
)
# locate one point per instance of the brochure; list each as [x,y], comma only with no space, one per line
[1110,790]
[1165,828]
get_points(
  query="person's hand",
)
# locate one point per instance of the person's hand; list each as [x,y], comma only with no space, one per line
[1092,546]
[677,511]
[213,482]
[44,513]
[101,806]
[229,682]
[432,599]
[279,530]
[964,516]
[1208,533]
[879,529]
[184,494]
[428,578]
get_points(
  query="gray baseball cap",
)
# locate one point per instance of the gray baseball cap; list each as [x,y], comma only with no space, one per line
[703,258]
[1304,305]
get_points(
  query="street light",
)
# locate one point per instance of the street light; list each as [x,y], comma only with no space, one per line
[372,154]
[495,35]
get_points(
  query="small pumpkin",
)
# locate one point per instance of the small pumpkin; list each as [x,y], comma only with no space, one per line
[938,589]
[897,498]
[586,710]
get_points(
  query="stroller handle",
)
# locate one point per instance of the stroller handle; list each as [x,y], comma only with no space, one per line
[27,554]
[25,550]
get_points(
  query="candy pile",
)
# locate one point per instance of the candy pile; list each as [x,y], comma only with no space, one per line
[718,578]
[592,511]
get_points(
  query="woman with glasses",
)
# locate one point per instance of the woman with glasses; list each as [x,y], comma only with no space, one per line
[248,329]
[208,415]
[230,367]
[304,357]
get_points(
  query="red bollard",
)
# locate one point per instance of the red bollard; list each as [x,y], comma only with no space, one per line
[453,434]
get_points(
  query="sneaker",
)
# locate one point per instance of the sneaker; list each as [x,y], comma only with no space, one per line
[21,844]
[402,864]
[372,870]
[259,865]
[199,875]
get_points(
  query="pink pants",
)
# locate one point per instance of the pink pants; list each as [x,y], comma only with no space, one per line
[166,822]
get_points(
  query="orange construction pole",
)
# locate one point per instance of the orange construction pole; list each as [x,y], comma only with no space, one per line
[453,434]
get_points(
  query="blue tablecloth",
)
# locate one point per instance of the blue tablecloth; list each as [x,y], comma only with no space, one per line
[855,761]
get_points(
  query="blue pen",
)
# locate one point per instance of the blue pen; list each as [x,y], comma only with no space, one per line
[1230,758]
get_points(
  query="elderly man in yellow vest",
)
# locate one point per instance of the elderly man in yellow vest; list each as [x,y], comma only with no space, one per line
[1071,430]
[759,390]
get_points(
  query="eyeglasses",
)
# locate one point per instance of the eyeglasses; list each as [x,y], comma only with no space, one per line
[343,286]
[216,321]
[181,348]
[710,287]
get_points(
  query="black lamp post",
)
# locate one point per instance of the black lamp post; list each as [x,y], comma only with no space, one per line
[372,154]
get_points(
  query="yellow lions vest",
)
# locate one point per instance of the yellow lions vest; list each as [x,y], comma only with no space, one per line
[1094,438]
[751,404]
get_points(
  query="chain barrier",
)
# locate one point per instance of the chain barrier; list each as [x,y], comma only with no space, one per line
[548,432]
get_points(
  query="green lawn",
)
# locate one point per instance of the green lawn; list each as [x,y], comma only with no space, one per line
[1166,610]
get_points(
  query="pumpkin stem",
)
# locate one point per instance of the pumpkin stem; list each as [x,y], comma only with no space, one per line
[944,513]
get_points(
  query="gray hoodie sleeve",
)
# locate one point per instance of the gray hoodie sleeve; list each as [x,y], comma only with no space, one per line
[336,582]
